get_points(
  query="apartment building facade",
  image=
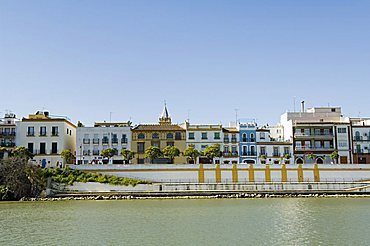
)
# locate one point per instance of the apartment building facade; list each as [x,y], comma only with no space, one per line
[91,141]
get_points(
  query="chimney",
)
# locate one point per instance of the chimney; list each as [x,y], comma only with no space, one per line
[302,106]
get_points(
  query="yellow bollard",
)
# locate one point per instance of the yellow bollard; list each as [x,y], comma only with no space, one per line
[267,173]
[235,173]
[316,173]
[251,173]
[300,173]
[201,174]
[218,173]
[284,174]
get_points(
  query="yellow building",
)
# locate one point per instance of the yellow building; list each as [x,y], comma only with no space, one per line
[160,135]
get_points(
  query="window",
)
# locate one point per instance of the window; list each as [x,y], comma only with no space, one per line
[31,131]
[233,138]
[141,136]
[217,135]
[317,132]
[105,139]
[327,144]
[169,136]
[244,137]
[253,150]
[96,150]
[276,151]
[30,147]
[204,135]
[233,150]
[54,148]
[155,136]
[263,150]
[42,130]
[42,148]
[262,135]
[170,144]
[252,138]
[307,132]
[191,135]
[326,131]
[114,138]
[86,139]
[342,143]
[286,151]
[226,149]
[54,131]
[155,144]
[342,130]
[178,136]
[96,139]
[140,147]
[124,139]
[317,144]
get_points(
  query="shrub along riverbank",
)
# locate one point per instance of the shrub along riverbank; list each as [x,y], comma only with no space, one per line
[19,178]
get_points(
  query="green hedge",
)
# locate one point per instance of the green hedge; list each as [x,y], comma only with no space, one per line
[69,176]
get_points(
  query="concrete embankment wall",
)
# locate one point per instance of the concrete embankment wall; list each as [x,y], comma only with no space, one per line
[350,187]
[241,173]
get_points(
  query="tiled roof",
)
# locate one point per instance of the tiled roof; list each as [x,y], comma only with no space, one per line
[157,127]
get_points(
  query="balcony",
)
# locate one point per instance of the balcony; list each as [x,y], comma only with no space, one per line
[42,134]
[30,134]
[7,134]
[244,140]
[7,144]
[96,141]
[55,134]
[226,140]
[252,140]
[230,154]
[114,140]
[313,135]
[95,152]
[124,141]
[249,153]
[233,140]
[361,138]
[86,141]
[276,154]
[309,148]
[105,140]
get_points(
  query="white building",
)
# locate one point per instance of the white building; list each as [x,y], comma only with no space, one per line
[203,136]
[274,149]
[319,131]
[46,137]
[360,140]
[230,145]
[92,140]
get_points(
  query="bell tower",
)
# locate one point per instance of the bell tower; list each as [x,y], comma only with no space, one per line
[165,118]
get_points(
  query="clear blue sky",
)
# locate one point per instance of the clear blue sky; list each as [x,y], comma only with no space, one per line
[85,59]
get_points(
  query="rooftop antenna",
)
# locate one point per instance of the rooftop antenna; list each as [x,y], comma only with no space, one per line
[236,116]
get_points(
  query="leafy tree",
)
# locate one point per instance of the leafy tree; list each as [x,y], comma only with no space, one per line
[107,153]
[67,155]
[287,158]
[263,158]
[152,153]
[334,156]
[127,155]
[3,150]
[311,156]
[191,153]
[21,178]
[212,152]
[22,152]
[171,152]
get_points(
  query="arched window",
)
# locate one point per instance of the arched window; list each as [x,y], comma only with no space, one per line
[357,135]
[169,136]
[141,136]
[299,161]
[178,136]
[252,150]
[155,136]
[244,137]
[252,138]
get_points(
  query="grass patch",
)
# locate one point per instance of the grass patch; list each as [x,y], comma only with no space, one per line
[69,176]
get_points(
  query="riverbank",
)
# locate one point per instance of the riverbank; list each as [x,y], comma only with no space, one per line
[195,195]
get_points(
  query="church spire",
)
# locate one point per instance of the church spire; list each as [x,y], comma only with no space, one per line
[165,116]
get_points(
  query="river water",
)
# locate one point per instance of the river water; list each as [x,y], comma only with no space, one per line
[286,221]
